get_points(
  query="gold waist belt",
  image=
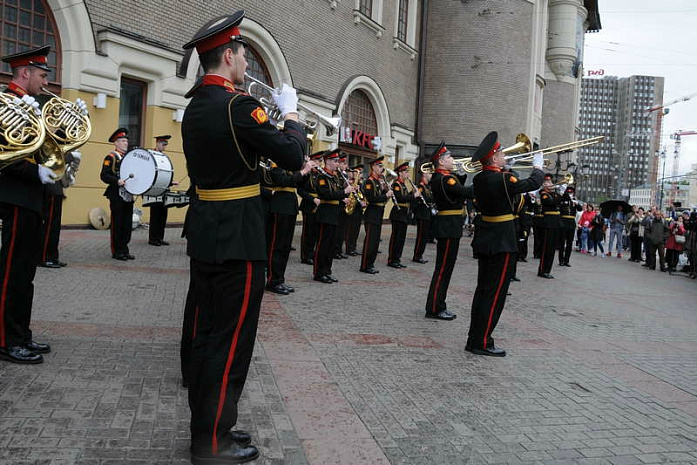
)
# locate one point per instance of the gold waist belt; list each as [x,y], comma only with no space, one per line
[313,195]
[379,204]
[451,212]
[405,205]
[498,218]
[283,189]
[568,217]
[539,216]
[233,193]
[329,202]
[551,213]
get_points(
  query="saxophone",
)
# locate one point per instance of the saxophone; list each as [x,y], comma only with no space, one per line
[21,131]
[68,127]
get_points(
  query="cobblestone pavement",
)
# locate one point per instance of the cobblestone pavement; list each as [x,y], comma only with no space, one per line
[601,366]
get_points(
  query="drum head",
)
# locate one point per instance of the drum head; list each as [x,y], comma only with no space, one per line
[99,218]
[138,169]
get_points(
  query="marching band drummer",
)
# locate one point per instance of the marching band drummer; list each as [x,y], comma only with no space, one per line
[495,240]
[21,198]
[224,132]
[158,211]
[120,201]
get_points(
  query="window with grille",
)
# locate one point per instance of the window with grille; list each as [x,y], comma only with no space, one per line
[257,69]
[132,110]
[402,19]
[366,7]
[27,24]
[358,114]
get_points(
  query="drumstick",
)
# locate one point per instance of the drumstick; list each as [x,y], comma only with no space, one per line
[129,177]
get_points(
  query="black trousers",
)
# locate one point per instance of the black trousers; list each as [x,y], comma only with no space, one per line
[229,298]
[651,255]
[19,256]
[635,246]
[537,240]
[353,229]
[422,229]
[308,237]
[158,221]
[279,239]
[51,228]
[566,244]
[121,225]
[324,253]
[340,235]
[446,256]
[493,279]
[370,245]
[188,328]
[397,238]
[523,236]
[550,238]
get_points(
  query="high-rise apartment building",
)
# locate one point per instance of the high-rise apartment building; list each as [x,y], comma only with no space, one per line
[616,108]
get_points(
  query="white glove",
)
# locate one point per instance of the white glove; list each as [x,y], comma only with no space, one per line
[31,101]
[46,175]
[286,100]
[82,106]
[538,160]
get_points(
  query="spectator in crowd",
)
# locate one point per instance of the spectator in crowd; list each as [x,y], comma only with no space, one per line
[674,244]
[586,218]
[634,223]
[618,219]
[691,243]
[585,232]
[597,233]
[656,234]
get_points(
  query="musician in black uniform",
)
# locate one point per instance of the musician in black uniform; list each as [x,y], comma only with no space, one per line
[356,218]
[376,192]
[567,224]
[21,198]
[342,227]
[549,199]
[526,218]
[495,240]
[537,226]
[449,193]
[332,198]
[224,133]
[158,211]
[280,225]
[120,201]
[308,206]
[399,216]
[423,214]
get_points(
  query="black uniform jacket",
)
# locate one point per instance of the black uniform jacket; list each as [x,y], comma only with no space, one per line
[19,182]
[376,198]
[110,174]
[449,195]
[422,210]
[224,133]
[403,200]
[550,209]
[494,193]
[307,191]
[527,213]
[568,208]
[331,195]
[284,200]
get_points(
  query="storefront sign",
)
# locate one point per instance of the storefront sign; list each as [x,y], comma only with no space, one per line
[360,139]
[596,72]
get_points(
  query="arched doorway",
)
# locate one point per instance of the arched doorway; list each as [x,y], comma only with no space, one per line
[360,129]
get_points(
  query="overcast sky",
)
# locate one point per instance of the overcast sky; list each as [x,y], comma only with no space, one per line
[655,38]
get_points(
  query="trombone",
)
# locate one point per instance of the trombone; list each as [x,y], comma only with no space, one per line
[331,124]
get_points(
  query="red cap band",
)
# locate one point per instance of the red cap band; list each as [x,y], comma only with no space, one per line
[30,60]
[217,40]
[493,150]
[119,135]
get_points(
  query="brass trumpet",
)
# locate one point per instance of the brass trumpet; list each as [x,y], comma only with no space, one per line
[331,124]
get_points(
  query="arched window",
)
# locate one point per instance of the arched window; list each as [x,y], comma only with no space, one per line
[358,114]
[27,24]
[255,68]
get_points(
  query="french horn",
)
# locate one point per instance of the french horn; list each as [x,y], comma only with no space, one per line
[21,130]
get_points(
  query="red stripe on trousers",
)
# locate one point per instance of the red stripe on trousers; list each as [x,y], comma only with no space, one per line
[48,228]
[231,356]
[496,297]
[440,275]
[193,331]
[271,247]
[366,243]
[390,256]
[315,266]
[419,231]
[6,281]
[111,230]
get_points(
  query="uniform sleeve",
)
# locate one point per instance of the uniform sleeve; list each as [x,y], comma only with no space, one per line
[282,178]
[325,191]
[400,192]
[24,170]
[372,192]
[108,174]
[453,187]
[531,183]
[252,126]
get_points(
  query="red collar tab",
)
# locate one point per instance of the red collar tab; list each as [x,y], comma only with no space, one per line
[218,80]
[493,168]
[17,89]
[29,60]
[376,178]
[329,172]
[492,151]
[223,37]
[443,172]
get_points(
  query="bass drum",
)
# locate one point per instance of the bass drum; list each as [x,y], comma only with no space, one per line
[146,172]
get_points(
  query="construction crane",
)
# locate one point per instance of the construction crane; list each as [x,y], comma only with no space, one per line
[676,137]
[681,99]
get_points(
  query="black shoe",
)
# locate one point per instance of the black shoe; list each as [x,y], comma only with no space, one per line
[164,243]
[62,264]
[370,270]
[130,257]
[352,253]
[289,288]
[20,354]
[323,279]
[308,261]
[419,260]
[241,437]
[278,289]
[155,242]
[664,269]
[545,275]
[522,260]
[120,256]
[334,280]
[515,279]
[338,256]
[491,351]
[234,454]
[566,264]
[37,347]
[49,264]
[443,315]
[394,265]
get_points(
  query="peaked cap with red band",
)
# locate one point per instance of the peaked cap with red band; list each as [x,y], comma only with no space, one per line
[331,154]
[489,146]
[439,152]
[33,57]
[402,167]
[377,161]
[120,132]
[165,137]
[317,155]
[218,32]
